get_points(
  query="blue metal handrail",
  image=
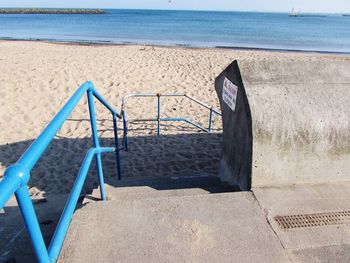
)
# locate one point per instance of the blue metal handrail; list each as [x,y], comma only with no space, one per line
[17,176]
[159,119]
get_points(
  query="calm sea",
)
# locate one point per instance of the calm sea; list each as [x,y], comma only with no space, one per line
[329,33]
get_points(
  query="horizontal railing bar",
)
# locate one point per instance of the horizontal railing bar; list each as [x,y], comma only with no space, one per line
[154,95]
[106,104]
[169,95]
[136,95]
[185,120]
[151,95]
[107,149]
[171,119]
[36,149]
[141,120]
[63,225]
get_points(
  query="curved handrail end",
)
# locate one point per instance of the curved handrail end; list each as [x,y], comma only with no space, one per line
[91,85]
[15,177]
[19,171]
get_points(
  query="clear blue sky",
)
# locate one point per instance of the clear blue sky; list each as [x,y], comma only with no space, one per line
[329,6]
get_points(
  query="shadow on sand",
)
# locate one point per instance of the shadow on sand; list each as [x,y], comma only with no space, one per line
[148,156]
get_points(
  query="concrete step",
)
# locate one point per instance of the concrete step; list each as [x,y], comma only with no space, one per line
[131,189]
[228,227]
[175,182]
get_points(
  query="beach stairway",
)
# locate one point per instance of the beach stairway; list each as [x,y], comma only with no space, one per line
[174,219]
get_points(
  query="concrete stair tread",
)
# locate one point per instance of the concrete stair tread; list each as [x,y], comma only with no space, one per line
[170,182]
[161,187]
[199,228]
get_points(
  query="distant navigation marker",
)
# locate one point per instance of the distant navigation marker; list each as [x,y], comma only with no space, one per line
[294,12]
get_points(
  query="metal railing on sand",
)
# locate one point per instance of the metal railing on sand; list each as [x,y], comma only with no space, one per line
[17,176]
[159,119]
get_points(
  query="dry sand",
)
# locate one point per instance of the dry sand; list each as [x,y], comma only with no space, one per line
[37,79]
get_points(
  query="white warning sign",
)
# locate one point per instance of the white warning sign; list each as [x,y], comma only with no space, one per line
[229,94]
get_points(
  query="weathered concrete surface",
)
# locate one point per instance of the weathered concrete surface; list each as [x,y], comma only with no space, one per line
[203,228]
[328,254]
[306,199]
[300,121]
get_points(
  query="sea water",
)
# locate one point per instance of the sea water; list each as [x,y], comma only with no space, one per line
[326,33]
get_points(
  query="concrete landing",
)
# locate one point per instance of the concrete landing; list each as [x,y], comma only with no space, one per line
[227,227]
[314,244]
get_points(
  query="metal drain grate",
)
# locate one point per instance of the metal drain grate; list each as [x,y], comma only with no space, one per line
[313,220]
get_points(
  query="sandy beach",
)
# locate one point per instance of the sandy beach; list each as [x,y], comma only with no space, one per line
[37,78]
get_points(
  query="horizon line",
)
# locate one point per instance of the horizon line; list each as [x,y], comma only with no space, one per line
[169,9]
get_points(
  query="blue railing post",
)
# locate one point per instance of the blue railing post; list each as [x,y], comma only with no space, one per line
[158,116]
[32,225]
[125,137]
[95,139]
[116,142]
[210,119]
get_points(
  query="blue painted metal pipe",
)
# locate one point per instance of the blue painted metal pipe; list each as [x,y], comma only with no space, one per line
[158,116]
[19,173]
[96,142]
[17,176]
[210,119]
[62,227]
[115,115]
[125,136]
[116,144]
[9,185]
[106,104]
[34,152]
[195,124]
[32,225]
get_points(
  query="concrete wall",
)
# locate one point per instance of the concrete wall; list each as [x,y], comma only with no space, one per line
[300,123]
